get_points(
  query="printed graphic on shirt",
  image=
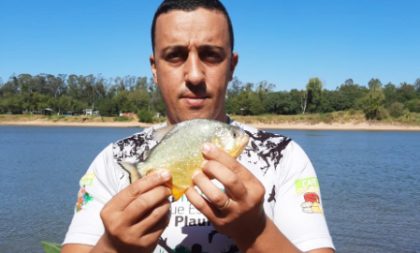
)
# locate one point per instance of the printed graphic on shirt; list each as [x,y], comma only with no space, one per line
[272,196]
[87,179]
[266,147]
[83,197]
[309,189]
[190,231]
[135,148]
[312,203]
[308,184]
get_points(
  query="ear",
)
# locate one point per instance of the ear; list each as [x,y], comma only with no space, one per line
[153,68]
[233,62]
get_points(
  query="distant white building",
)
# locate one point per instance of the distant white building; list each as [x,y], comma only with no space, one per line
[91,112]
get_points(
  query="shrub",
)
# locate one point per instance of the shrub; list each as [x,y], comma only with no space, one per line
[379,113]
[413,105]
[145,116]
[396,109]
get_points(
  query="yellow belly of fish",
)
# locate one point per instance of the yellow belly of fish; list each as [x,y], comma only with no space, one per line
[182,176]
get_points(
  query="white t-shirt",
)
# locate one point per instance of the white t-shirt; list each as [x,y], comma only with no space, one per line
[292,200]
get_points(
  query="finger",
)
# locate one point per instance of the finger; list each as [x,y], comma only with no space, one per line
[155,220]
[131,192]
[200,203]
[234,187]
[213,194]
[146,203]
[211,152]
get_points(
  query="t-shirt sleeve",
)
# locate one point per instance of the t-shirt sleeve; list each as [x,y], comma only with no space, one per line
[97,187]
[298,209]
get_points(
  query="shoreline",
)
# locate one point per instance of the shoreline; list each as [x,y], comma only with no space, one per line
[364,126]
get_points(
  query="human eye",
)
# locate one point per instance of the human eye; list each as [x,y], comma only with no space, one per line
[211,55]
[175,55]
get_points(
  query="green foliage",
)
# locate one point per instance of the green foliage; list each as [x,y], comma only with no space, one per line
[145,116]
[281,103]
[50,247]
[349,94]
[413,105]
[314,94]
[72,94]
[396,110]
[372,102]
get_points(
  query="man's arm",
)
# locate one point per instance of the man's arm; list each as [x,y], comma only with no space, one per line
[71,248]
[238,212]
[133,219]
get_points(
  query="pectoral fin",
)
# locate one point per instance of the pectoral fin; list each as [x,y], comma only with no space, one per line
[131,169]
[177,192]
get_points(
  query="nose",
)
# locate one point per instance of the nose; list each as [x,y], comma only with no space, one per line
[194,71]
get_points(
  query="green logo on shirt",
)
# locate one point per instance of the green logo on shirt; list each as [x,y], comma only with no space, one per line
[309,184]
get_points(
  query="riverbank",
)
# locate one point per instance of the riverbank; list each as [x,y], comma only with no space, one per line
[281,122]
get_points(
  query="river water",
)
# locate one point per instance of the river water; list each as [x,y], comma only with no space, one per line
[370,183]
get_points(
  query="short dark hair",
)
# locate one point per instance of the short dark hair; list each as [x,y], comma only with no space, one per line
[191,5]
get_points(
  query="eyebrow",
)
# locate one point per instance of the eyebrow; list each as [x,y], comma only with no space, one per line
[183,47]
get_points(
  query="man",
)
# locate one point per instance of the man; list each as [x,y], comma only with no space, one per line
[266,201]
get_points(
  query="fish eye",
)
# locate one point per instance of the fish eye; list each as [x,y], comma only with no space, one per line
[234,134]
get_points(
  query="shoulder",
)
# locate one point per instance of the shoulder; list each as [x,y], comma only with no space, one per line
[261,136]
[135,147]
[263,142]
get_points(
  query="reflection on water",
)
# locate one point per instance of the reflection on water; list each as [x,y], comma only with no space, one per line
[369,181]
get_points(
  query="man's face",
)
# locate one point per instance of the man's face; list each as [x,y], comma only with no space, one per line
[192,63]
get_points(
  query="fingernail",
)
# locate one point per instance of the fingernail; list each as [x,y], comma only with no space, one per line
[206,148]
[195,173]
[165,175]
[203,164]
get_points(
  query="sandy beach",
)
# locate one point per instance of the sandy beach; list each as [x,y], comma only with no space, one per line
[363,126]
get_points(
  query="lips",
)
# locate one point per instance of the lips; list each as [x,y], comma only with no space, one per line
[194,100]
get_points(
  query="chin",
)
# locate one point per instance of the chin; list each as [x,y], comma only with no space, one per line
[194,115]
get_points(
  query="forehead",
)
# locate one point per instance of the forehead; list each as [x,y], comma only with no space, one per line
[200,26]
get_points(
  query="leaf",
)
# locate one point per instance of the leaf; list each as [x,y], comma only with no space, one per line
[50,247]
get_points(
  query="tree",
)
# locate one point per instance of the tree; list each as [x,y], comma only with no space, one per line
[373,100]
[281,103]
[417,86]
[413,105]
[349,93]
[390,92]
[313,95]
[330,101]
[298,98]
[406,92]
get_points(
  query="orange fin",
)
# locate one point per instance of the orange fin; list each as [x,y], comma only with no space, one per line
[177,192]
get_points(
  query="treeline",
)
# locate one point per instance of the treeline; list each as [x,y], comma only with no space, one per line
[73,94]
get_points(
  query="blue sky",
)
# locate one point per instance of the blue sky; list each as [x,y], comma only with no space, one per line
[282,42]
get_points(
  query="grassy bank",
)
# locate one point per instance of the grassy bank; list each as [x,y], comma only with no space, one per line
[344,117]
[347,118]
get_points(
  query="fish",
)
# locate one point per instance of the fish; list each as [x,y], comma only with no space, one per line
[179,150]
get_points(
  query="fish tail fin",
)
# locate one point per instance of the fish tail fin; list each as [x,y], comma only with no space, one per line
[132,171]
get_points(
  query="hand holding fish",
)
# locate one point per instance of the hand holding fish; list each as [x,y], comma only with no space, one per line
[135,218]
[237,212]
